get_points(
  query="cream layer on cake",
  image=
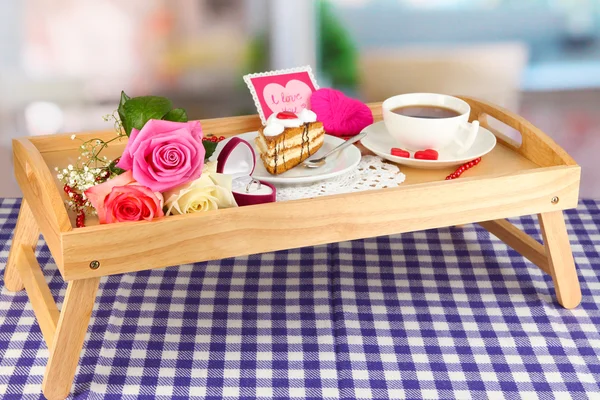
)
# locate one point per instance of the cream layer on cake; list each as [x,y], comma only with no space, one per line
[291,153]
[290,141]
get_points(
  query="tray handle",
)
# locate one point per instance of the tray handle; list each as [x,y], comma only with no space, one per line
[536,146]
[38,187]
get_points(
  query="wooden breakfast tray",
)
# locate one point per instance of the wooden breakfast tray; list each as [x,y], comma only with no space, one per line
[536,178]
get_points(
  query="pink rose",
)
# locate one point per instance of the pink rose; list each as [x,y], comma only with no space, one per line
[164,154]
[123,199]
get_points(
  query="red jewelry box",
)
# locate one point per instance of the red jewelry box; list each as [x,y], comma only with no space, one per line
[238,160]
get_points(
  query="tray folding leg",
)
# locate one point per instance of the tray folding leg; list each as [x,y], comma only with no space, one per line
[68,340]
[554,257]
[560,259]
[64,331]
[26,233]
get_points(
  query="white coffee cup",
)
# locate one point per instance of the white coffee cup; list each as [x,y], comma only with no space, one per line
[415,133]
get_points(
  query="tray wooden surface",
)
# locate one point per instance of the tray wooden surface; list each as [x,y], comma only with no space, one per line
[510,181]
[536,177]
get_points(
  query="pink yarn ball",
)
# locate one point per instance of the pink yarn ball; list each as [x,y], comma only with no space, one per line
[340,115]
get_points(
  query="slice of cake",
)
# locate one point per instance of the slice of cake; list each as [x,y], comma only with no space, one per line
[288,139]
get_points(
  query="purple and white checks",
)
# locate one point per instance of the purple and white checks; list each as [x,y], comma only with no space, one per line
[440,314]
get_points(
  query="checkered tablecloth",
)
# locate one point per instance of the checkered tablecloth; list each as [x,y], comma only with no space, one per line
[440,314]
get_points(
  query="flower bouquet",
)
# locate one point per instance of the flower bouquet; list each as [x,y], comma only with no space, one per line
[163,170]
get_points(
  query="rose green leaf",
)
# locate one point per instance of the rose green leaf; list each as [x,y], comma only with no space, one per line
[121,111]
[124,98]
[176,115]
[209,148]
[112,168]
[139,110]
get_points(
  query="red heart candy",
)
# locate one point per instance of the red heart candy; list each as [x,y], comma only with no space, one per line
[286,115]
[400,152]
[428,154]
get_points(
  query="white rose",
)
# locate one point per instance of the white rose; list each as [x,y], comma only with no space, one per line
[209,192]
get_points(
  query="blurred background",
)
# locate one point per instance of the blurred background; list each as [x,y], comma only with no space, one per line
[63,63]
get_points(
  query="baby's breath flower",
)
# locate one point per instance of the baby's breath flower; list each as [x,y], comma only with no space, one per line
[89,170]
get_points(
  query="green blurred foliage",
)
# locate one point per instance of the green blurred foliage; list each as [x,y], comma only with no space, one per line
[337,53]
[258,54]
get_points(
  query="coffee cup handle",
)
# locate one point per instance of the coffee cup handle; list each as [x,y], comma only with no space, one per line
[471,129]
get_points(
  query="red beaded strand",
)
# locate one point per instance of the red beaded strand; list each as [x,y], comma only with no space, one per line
[213,139]
[79,203]
[80,220]
[463,168]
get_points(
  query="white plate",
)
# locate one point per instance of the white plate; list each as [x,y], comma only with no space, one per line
[336,165]
[380,142]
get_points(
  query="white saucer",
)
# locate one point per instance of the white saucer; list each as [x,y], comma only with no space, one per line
[344,162]
[380,142]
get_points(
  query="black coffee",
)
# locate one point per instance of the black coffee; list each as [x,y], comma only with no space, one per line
[424,111]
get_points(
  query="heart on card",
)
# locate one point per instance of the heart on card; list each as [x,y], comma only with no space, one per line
[293,97]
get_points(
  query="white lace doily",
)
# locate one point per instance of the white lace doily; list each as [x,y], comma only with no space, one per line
[371,173]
